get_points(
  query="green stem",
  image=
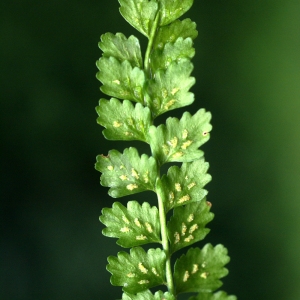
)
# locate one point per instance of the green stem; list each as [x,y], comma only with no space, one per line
[165,241]
[161,208]
[150,44]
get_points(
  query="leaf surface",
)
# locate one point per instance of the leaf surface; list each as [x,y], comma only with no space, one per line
[127,173]
[185,184]
[137,271]
[187,225]
[170,88]
[180,49]
[147,295]
[173,9]
[139,13]
[200,270]
[179,140]
[122,120]
[170,33]
[134,226]
[120,79]
[217,296]
[122,48]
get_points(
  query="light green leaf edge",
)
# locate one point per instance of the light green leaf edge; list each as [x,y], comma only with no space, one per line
[217,296]
[147,295]
[120,79]
[122,120]
[179,140]
[139,270]
[200,269]
[140,14]
[134,226]
[187,225]
[121,48]
[127,173]
[185,184]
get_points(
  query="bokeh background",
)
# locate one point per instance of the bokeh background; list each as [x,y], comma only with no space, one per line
[247,67]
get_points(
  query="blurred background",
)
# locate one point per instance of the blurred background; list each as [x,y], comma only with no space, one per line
[247,67]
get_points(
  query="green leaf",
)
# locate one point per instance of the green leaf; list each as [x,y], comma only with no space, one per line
[120,80]
[170,88]
[217,296]
[171,10]
[137,271]
[122,48]
[186,184]
[179,140]
[127,173]
[139,13]
[200,270]
[187,225]
[135,225]
[170,33]
[182,48]
[122,120]
[147,295]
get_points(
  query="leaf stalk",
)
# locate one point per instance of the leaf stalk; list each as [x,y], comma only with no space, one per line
[165,240]
[150,44]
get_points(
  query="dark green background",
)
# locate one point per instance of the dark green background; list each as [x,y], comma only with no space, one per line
[247,67]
